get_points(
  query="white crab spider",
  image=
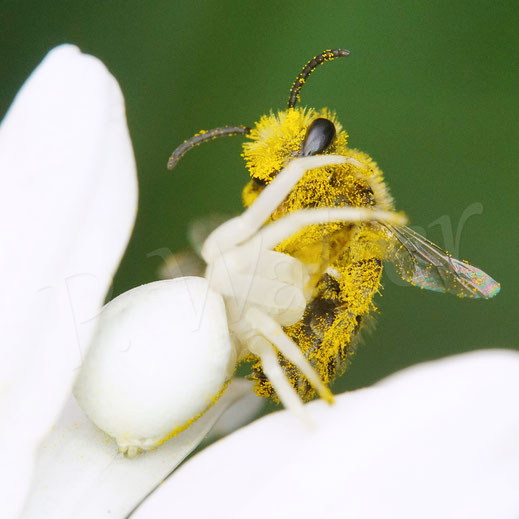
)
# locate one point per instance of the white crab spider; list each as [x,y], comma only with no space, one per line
[164,351]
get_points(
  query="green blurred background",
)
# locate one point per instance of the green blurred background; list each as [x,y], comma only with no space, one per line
[430,91]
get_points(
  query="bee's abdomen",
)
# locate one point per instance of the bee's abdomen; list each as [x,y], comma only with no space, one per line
[330,324]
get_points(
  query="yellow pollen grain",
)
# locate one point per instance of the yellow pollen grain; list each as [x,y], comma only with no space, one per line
[177,430]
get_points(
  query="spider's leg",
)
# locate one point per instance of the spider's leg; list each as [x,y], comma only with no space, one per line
[241,228]
[275,334]
[281,229]
[285,392]
[274,193]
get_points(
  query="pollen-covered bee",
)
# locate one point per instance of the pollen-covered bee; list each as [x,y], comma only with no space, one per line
[343,260]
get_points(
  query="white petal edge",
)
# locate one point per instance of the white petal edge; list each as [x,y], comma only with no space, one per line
[68,200]
[436,440]
[81,474]
[239,415]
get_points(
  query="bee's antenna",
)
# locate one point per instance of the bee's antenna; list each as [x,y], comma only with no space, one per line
[327,55]
[203,136]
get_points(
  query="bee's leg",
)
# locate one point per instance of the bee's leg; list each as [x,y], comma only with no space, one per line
[274,233]
[241,228]
[274,333]
[269,362]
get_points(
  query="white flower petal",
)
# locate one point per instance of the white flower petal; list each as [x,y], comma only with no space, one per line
[239,415]
[436,440]
[81,474]
[67,205]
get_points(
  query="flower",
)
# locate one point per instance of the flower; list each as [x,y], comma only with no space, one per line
[439,439]
[67,207]
[64,153]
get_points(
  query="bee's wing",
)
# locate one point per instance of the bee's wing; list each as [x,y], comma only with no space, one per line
[189,262]
[423,264]
[202,227]
[181,264]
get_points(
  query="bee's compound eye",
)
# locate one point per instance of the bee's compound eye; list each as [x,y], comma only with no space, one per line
[318,137]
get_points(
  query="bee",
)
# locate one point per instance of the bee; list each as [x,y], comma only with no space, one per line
[342,260]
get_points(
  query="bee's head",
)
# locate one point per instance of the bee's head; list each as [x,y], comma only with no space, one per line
[296,132]
[277,138]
